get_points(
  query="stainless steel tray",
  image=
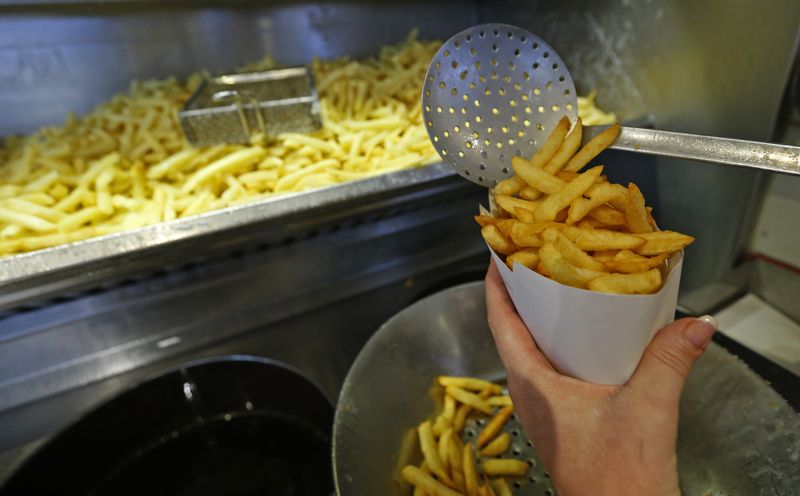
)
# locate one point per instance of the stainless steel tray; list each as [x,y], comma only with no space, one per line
[35,275]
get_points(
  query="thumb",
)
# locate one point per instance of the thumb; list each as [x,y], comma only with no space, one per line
[669,358]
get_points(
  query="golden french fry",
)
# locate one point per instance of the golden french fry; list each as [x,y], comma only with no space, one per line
[470,472]
[585,224]
[638,283]
[529,193]
[461,418]
[524,215]
[509,186]
[525,235]
[498,242]
[418,491]
[444,443]
[608,216]
[573,254]
[552,144]
[541,269]
[632,265]
[567,149]
[603,239]
[459,482]
[593,148]
[430,451]
[486,490]
[494,426]
[502,400]
[449,408]
[635,212]
[497,446]
[605,255]
[537,178]
[567,176]
[529,257]
[558,201]
[486,220]
[468,398]
[563,271]
[499,467]
[662,242]
[510,204]
[501,487]
[431,487]
[598,195]
[504,226]
[454,455]
[440,425]
[469,383]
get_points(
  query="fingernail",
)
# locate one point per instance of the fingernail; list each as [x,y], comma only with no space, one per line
[700,331]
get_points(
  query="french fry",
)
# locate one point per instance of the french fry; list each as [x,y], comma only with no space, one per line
[430,486]
[485,220]
[510,186]
[561,199]
[537,178]
[635,211]
[494,426]
[602,239]
[524,215]
[501,487]
[572,253]
[430,451]
[593,148]
[443,446]
[469,383]
[470,472]
[608,216]
[499,242]
[510,204]
[529,193]
[497,446]
[504,467]
[454,450]
[637,283]
[632,265]
[502,400]
[552,144]
[440,425]
[567,149]
[563,271]
[468,398]
[526,235]
[449,408]
[504,226]
[662,242]
[461,417]
[529,257]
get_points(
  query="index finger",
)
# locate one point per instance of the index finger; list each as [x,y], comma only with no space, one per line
[514,343]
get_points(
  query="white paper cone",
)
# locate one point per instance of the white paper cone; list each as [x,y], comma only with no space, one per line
[596,337]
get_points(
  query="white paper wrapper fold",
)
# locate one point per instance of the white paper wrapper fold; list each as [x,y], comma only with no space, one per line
[596,337]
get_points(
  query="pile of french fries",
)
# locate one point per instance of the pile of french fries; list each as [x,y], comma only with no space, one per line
[126,164]
[575,227]
[452,467]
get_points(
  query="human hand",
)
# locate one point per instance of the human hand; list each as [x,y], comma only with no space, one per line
[596,439]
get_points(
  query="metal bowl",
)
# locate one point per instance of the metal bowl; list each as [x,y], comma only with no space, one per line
[737,435]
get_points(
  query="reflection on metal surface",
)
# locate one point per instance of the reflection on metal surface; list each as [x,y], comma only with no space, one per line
[736,434]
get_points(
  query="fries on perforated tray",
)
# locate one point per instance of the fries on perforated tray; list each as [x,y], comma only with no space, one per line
[470,467]
[571,225]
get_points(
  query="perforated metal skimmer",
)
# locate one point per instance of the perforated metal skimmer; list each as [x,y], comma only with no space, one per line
[495,90]
[536,482]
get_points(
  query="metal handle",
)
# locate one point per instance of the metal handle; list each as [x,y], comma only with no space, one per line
[726,151]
